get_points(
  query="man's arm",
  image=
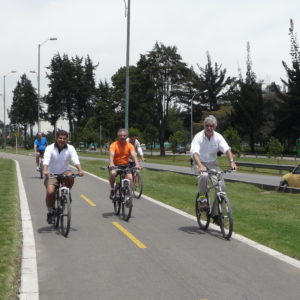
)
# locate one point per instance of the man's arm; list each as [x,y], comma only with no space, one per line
[35,147]
[80,171]
[197,161]
[232,164]
[134,156]
[111,158]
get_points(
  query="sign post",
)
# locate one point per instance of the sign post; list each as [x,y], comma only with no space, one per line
[16,135]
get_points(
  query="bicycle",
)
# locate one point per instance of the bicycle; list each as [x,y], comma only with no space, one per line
[137,183]
[204,210]
[62,204]
[123,193]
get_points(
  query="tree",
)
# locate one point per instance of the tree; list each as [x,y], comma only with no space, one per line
[72,89]
[219,88]
[24,106]
[108,111]
[248,114]
[288,115]
[274,147]
[165,73]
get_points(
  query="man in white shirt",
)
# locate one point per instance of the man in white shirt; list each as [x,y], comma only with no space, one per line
[137,145]
[56,161]
[204,150]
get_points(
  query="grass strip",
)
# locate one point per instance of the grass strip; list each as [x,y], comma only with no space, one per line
[267,217]
[10,236]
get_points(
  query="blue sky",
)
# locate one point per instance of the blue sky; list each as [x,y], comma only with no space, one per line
[98,28]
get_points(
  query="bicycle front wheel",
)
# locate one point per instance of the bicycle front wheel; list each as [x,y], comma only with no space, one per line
[56,212]
[202,213]
[117,199]
[225,216]
[137,185]
[65,216]
[127,203]
[41,167]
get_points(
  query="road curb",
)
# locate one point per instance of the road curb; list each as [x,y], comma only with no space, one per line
[29,289]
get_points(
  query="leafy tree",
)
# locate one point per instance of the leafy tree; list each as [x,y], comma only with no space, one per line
[234,140]
[150,136]
[24,106]
[248,114]
[165,72]
[108,111]
[141,110]
[213,80]
[179,137]
[72,89]
[274,147]
[288,115]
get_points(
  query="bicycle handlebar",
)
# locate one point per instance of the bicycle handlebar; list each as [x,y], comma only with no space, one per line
[63,176]
[118,168]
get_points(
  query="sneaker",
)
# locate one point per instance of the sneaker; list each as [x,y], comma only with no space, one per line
[127,201]
[203,202]
[50,218]
[112,194]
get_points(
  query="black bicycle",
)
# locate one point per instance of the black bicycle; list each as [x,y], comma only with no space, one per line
[224,217]
[62,204]
[137,183]
[123,193]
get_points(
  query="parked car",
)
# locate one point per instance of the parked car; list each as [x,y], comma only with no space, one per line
[179,150]
[291,179]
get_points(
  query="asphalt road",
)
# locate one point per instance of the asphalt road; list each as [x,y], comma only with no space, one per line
[97,261]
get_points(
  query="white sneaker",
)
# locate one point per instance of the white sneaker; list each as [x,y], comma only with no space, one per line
[203,202]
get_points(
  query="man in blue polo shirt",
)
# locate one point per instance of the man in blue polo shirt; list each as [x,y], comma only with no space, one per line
[40,144]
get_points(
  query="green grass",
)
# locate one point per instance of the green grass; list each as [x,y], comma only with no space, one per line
[10,238]
[268,217]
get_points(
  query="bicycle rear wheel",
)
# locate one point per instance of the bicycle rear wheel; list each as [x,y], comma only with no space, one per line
[127,203]
[202,213]
[117,199]
[225,216]
[65,216]
[137,185]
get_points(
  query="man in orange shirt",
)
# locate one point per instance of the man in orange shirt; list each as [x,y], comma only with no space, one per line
[120,152]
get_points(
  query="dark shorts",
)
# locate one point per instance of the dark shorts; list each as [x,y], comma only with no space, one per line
[122,167]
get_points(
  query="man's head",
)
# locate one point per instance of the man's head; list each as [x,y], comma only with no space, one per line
[210,124]
[62,138]
[132,137]
[39,135]
[122,134]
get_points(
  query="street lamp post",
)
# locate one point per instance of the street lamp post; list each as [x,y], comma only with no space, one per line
[4,108]
[196,94]
[39,78]
[127,64]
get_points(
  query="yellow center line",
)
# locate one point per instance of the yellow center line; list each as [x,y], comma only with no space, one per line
[89,201]
[129,235]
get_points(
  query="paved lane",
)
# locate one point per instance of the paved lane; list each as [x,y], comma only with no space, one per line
[98,261]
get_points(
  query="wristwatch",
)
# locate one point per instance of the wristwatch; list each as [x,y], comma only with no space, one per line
[231,160]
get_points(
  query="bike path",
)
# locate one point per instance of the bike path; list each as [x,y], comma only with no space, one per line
[180,262]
